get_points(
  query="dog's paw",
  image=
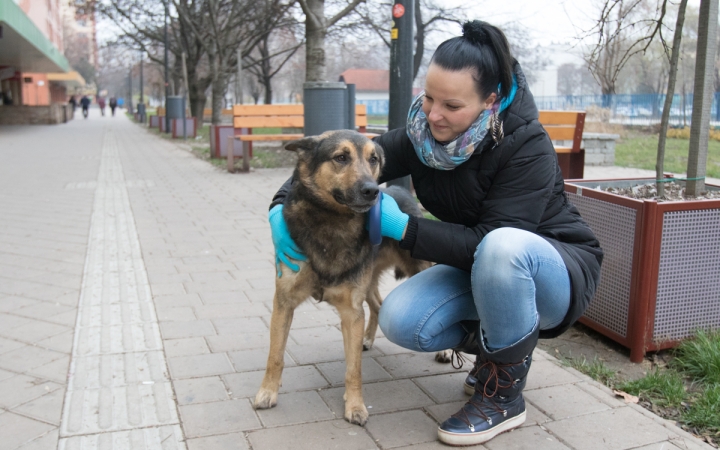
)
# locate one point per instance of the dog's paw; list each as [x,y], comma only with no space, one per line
[358,415]
[443,356]
[368,344]
[265,399]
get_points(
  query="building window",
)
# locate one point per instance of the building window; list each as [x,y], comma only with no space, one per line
[27,80]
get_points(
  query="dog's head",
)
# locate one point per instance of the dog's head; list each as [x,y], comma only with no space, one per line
[340,168]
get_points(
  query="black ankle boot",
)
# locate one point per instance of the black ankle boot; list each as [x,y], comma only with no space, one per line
[497,404]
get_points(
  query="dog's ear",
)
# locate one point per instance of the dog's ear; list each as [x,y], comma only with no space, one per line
[381,154]
[306,143]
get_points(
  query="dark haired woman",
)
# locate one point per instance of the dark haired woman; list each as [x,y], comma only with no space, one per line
[515,261]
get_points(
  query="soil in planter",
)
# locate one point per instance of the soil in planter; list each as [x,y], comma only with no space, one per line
[674,192]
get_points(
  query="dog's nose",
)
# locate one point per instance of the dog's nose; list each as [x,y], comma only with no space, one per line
[370,191]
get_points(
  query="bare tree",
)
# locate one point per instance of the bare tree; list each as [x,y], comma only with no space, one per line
[316,29]
[268,59]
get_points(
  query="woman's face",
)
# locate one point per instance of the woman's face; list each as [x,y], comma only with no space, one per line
[451,102]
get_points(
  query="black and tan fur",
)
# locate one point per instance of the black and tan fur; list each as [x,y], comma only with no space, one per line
[335,184]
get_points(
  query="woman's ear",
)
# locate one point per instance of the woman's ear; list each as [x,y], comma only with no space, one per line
[490,100]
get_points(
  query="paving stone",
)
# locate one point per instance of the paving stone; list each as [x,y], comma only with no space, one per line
[116,370]
[314,318]
[165,438]
[28,357]
[316,335]
[414,365]
[240,325]
[34,331]
[296,407]
[388,348]
[231,310]
[620,428]
[545,373]
[8,345]
[199,365]
[384,396]
[603,394]
[48,441]
[525,438]
[11,321]
[173,301]
[444,388]
[261,295]
[222,298]
[47,408]
[180,314]
[210,277]
[335,434]
[436,445]
[402,428]
[323,352]
[240,341]
[560,402]
[207,419]
[4,375]
[441,412]
[55,371]
[16,430]
[194,328]
[660,446]
[62,342]
[185,347]
[233,441]
[217,286]
[69,319]
[43,310]
[11,303]
[300,378]
[21,389]
[200,390]
[533,415]
[253,360]
[371,371]
[262,283]
[160,289]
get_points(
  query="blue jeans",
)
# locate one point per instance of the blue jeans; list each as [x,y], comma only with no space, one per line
[518,280]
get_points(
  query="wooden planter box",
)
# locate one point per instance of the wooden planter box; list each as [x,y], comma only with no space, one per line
[660,277]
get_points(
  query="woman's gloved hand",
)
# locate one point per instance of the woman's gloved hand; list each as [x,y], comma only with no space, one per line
[285,247]
[392,221]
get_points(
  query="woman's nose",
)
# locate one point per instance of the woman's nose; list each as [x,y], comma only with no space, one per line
[434,115]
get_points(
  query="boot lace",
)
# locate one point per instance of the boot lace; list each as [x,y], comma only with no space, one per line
[457,356]
[495,370]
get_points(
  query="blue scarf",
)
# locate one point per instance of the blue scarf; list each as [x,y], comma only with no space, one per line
[448,156]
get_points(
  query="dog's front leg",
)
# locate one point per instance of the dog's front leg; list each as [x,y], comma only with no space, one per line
[280,322]
[352,320]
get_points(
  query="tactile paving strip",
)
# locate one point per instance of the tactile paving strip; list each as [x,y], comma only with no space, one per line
[119,393]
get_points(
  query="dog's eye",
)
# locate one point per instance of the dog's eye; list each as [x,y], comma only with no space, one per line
[373,160]
[341,158]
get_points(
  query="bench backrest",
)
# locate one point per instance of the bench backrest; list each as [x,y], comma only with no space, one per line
[282,116]
[564,126]
[207,112]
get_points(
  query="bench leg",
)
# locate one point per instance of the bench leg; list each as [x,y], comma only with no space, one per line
[246,156]
[230,154]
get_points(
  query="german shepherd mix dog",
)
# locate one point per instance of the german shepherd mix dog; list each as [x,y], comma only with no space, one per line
[335,185]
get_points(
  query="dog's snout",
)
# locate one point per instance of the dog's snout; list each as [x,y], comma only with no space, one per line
[369,190]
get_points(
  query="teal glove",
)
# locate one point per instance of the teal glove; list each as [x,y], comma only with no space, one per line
[285,247]
[392,220]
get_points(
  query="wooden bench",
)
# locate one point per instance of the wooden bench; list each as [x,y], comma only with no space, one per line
[207,113]
[567,126]
[248,117]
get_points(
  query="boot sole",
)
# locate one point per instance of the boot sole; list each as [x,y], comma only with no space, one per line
[463,439]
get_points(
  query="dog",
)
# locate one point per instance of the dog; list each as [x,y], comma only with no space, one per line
[335,185]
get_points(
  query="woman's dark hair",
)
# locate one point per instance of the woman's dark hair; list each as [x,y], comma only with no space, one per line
[484,49]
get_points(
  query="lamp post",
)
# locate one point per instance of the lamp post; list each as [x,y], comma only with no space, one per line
[141,104]
[167,81]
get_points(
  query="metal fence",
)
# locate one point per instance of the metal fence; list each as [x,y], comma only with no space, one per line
[626,109]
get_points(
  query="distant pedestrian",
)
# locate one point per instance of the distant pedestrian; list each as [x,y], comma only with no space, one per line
[85,104]
[120,102]
[113,105]
[73,103]
[101,104]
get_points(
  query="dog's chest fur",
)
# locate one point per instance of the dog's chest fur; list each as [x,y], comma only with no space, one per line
[337,245]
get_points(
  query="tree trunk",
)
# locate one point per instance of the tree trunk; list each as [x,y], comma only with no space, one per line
[664,121]
[315,32]
[419,39]
[702,97]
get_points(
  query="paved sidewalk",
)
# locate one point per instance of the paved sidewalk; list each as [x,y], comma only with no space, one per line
[136,286]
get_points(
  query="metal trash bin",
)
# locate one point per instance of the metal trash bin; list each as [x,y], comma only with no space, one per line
[325,107]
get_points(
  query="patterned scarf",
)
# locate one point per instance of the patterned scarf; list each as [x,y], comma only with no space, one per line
[450,155]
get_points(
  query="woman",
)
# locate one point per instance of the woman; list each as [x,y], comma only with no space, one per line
[515,261]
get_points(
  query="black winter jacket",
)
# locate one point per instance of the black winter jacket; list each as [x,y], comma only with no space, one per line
[516,184]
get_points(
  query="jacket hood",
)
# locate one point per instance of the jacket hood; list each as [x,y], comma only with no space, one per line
[523,109]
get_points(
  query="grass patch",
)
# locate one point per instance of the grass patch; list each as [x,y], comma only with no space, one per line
[639,150]
[662,387]
[377,119]
[595,369]
[704,412]
[700,357]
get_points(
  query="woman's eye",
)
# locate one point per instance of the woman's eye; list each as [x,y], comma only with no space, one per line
[340,158]
[453,108]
